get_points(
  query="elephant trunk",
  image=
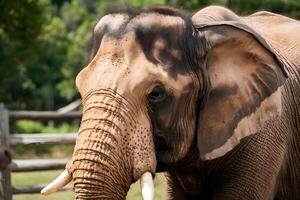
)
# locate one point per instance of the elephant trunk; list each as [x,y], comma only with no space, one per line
[112,150]
[99,171]
[99,168]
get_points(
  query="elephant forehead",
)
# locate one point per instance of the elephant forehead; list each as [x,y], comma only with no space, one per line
[125,58]
[111,23]
[121,52]
[155,20]
[135,52]
[121,23]
[157,35]
[122,64]
[117,53]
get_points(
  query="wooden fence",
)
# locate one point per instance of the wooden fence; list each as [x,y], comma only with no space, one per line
[10,140]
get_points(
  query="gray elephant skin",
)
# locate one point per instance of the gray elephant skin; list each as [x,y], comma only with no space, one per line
[211,99]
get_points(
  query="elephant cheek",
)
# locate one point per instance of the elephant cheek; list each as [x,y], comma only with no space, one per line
[142,147]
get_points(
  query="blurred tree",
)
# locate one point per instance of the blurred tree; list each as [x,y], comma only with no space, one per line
[20,25]
[286,7]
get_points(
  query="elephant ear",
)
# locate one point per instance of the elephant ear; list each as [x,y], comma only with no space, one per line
[245,86]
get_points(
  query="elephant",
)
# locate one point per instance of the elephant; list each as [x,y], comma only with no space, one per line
[210,99]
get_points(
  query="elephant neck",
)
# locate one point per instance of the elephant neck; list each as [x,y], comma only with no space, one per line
[191,161]
[188,172]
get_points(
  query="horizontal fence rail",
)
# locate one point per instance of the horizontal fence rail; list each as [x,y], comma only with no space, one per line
[11,140]
[44,115]
[47,138]
[31,189]
[37,165]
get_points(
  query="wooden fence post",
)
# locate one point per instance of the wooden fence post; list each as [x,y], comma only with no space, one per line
[5,179]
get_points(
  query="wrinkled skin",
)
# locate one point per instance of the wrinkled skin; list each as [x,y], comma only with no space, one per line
[213,100]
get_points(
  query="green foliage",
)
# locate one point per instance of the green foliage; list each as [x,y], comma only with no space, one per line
[69,195]
[19,179]
[46,44]
[30,126]
[20,25]
[159,185]
[286,7]
[42,151]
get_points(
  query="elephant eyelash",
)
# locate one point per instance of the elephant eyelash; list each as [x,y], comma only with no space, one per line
[167,93]
[157,95]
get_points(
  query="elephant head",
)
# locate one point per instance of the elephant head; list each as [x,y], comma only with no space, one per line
[161,85]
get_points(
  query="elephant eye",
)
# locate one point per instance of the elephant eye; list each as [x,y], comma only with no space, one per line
[158,94]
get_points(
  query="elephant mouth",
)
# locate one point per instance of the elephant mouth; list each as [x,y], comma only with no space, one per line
[161,150]
[160,143]
[161,167]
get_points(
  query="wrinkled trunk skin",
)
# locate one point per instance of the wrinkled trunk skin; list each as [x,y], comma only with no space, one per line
[104,162]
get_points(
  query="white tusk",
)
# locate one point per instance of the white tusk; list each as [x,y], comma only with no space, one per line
[63,179]
[147,186]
